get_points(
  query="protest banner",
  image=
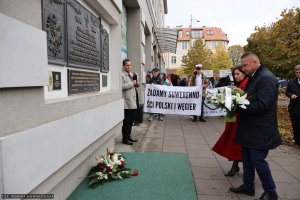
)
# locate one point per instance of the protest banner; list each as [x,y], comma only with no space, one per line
[209,109]
[208,73]
[173,100]
[225,72]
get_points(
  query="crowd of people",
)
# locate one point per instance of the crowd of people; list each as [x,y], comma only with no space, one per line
[155,76]
[252,135]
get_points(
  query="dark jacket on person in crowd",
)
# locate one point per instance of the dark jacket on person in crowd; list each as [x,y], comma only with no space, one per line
[257,125]
[224,81]
[293,87]
[175,79]
[156,80]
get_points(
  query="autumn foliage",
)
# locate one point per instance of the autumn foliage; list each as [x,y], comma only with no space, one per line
[199,53]
[278,44]
[285,126]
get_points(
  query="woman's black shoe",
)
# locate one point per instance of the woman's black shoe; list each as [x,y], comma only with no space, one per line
[131,140]
[234,169]
[232,172]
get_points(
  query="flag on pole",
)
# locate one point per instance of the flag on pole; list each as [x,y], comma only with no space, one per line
[168,81]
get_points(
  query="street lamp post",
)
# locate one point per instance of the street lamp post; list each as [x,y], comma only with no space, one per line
[191,25]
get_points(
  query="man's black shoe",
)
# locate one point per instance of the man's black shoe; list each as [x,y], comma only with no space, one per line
[201,119]
[127,142]
[268,196]
[242,189]
[132,140]
[194,119]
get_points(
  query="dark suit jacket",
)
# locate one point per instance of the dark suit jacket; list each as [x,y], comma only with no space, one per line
[257,125]
[293,87]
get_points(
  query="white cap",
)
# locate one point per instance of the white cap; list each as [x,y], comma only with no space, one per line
[198,66]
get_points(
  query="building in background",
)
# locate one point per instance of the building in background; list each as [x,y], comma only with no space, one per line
[211,36]
[60,84]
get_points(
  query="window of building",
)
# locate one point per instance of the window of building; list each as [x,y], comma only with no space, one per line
[187,33]
[193,42]
[196,34]
[173,59]
[184,45]
[209,32]
[179,34]
[213,44]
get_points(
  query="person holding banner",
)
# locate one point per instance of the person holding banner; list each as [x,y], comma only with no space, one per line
[183,81]
[257,128]
[156,79]
[226,146]
[130,101]
[199,80]
[163,77]
[148,75]
[175,79]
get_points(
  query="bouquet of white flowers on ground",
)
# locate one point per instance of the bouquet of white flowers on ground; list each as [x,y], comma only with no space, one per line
[109,167]
[229,98]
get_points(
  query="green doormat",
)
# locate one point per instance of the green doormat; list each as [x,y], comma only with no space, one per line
[161,176]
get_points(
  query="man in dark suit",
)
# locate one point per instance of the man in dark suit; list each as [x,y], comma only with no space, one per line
[257,129]
[293,92]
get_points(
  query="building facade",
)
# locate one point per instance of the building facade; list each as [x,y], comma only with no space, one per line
[60,85]
[211,36]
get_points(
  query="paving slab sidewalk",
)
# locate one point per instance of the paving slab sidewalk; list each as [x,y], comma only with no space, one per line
[178,134]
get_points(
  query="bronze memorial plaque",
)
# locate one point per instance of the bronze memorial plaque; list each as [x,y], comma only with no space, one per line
[84,42]
[76,38]
[56,80]
[82,82]
[104,80]
[54,26]
[105,50]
